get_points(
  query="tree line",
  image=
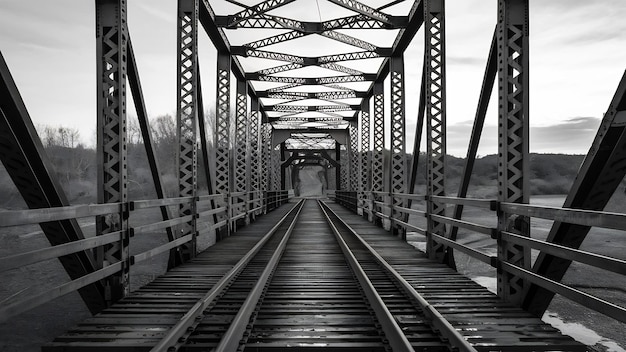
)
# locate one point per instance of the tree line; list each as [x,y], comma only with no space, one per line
[75,167]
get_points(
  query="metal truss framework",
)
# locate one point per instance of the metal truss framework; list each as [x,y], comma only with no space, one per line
[435,84]
[398,175]
[364,162]
[254,160]
[112,36]
[187,116]
[222,126]
[242,145]
[248,160]
[353,171]
[378,134]
[513,160]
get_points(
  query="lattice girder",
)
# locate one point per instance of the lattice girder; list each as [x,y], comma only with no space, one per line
[240,181]
[513,154]
[398,170]
[353,156]
[364,162]
[187,117]
[379,141]
[112,36]
[222,127]
[434,19]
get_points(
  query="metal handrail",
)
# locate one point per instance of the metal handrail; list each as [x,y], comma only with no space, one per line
[601,219]
[11,218]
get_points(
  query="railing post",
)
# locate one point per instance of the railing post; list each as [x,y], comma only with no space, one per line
[379,145]
[434,19]
[112,37]
[222,132]
[187,118]
[513,161]
[398,170]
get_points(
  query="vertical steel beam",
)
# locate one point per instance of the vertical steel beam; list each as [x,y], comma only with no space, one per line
[241,143]
[266,149]
[112,36]
[364,162]
[345,165]
[379,142]
[338,169]
[353,154]
[283,157]
[187,118]
[222,131]
[275,164]
[513,161]
[435,61]
[398,170]
[255,158]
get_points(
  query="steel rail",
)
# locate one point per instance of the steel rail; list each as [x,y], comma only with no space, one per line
[172,340]
[232,338]
[397,339]
[438,321]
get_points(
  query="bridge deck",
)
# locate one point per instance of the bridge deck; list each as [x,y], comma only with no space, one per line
[139,321]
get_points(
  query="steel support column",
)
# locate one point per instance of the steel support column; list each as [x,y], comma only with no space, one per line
[222,131]
[187,118]
[398,170]
[241,181]
[353,156]
[283,157]
[266,161]
[255,157]
[274,164]
[435,61]
[379,144]
[339,167]
[344,183]
[364,162]
[513,161]
[112,36]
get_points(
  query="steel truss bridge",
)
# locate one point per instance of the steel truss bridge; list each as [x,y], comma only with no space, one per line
[335,273]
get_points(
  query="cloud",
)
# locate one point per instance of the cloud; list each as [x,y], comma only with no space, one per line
[465,60]
[570,136]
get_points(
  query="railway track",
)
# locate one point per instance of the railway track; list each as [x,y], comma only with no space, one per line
[310,285]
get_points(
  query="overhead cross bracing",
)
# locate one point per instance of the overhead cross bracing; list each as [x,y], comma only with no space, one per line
[312,63]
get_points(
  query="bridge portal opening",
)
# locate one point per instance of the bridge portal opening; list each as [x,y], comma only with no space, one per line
[311,181]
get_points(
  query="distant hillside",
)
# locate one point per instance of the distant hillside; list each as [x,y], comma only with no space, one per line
[549,174]
[76,171]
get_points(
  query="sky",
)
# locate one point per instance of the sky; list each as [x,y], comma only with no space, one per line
[577,57]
